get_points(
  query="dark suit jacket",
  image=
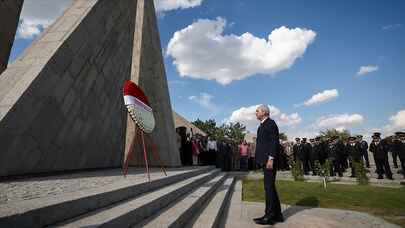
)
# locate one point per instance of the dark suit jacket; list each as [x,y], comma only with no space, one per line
[267,142]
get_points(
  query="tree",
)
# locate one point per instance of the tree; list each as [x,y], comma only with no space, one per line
[208,126]
[232,131]
[343,135]
[235,131]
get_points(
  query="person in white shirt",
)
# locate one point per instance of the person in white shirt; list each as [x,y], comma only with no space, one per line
[212,151]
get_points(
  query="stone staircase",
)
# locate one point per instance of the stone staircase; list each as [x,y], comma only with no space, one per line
[198,197]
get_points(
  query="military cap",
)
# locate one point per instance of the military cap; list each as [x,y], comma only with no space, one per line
[378,134]
[399,133]
[296,139]
[352,138]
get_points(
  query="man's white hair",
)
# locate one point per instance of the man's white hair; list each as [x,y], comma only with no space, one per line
[265,109]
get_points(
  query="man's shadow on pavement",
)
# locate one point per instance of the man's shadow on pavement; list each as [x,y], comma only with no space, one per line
[303,204]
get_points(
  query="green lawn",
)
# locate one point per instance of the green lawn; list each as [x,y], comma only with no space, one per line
[387,203]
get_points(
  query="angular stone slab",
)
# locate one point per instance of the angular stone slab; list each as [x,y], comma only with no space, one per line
[149,73]
[61,105]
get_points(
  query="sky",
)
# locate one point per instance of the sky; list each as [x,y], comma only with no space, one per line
[318,64]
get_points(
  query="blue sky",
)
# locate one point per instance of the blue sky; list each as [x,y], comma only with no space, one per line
[348,56]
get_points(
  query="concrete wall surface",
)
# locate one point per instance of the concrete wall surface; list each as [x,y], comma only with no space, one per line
[61,105]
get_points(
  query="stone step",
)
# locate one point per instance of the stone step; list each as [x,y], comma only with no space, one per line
[215,210]
[132,211]
[50,210]
[234,215]
[181,212]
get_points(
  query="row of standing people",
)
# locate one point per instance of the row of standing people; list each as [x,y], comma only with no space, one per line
[224,154]
[344,154]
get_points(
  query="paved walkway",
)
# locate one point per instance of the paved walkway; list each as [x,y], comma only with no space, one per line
[38,187]
[241,213]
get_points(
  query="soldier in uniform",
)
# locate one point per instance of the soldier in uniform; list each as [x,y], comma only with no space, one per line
[398,146]
[313,156]
[364,150]
[345,156]
[354,151]
[393,150]
[306,151]
[315,153]
[335,152]
[323,149]
[401,151]
[297,149]
[379,148]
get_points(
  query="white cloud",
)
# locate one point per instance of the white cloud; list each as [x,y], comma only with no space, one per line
[396,123]
[202,51]
[341,121]
[166,5]
[391,27]
[367,69]
[322,97]
[205,101]
[38,15]
[289,120]
[247,116]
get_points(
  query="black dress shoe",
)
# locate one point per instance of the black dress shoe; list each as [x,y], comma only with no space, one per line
[259,218]
[265,221]
[277,219]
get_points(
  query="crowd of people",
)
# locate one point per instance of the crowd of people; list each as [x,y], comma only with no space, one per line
[341,154]
[224,154]
[344,154]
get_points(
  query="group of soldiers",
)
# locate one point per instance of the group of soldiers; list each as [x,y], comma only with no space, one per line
[345,154]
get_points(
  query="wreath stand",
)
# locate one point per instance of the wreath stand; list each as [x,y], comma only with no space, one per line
[139,138]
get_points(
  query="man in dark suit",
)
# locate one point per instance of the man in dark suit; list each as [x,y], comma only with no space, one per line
[354,151]
[364,150]
[267,155]
[306,153]
[379,148]
[297,149]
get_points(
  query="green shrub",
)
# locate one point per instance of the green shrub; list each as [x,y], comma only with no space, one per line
[297,171]
[361,173]
[317,168]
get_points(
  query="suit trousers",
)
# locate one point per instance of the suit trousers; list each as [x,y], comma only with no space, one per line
[395,158]
[383,167]
[273,207]
[365,156]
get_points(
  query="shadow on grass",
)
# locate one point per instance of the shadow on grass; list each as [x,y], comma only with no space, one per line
[303,204]
[310,201]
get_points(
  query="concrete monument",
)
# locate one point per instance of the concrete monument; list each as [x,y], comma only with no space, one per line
[61,105]
[148,71]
